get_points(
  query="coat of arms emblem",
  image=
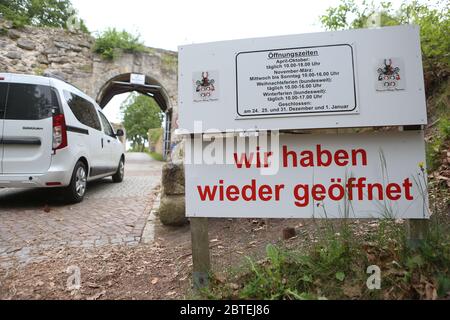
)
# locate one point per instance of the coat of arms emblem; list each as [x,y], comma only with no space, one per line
[206,86]
[390,75]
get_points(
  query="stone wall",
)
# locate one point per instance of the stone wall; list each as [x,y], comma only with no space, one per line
[70,56]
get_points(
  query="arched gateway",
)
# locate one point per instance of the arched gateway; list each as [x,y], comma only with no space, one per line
[70,56]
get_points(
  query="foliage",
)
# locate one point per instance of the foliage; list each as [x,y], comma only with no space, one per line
[140,114]
[436,143]
[336,268]
[41,13]
[110,43]
[156,156]
[433,21]
[155,134]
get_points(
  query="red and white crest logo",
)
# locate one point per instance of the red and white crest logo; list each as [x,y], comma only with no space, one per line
[390,74]
[206,86]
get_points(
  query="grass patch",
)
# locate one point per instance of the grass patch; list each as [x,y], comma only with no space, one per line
[39,71]
[437,142]
[156,156]
[155,134]
[336,267]
[111,43]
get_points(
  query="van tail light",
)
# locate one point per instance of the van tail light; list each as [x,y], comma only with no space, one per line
[59,132]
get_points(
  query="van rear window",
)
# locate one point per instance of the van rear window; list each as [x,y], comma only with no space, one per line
[83,110]
[30,102]
[3,91]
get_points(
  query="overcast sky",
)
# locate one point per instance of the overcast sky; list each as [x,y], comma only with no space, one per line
[169,23]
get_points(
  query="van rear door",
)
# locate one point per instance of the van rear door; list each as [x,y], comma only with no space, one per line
[28,128]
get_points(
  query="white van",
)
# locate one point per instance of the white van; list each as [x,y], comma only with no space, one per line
[52,135]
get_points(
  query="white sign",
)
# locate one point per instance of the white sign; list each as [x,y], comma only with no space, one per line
[299,81]
[353,78]
[370,175]
[137,79]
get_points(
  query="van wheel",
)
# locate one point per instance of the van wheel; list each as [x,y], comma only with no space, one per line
[118,176]
[77,189]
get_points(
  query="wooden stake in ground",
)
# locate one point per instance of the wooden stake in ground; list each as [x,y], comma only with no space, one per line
[416,232]
[200,252]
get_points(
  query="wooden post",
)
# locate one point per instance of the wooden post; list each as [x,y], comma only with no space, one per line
[200,252]
[416,232]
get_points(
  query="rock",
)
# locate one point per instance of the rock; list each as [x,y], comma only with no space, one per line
[26,44]
[172,210]
[8,24]
[62,45]
[75,48]
[177,154]
[173,179]
[55,74]
[55,58]
[14,34]
[84,44]
[50,50]
[42,59]
[67,70]
[14,55]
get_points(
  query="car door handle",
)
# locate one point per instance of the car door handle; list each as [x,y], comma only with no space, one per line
[102,143]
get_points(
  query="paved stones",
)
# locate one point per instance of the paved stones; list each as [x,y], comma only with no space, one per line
[112,214]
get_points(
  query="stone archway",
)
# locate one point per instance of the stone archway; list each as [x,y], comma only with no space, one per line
[153,88]
[70,56]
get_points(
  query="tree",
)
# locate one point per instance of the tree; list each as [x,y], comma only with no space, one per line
[140,114]
[433,20]
[41,13]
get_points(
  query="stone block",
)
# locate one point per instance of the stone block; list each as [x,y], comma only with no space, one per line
[173,179]
[172,210]
[14,34]
[14,55]
[26,44]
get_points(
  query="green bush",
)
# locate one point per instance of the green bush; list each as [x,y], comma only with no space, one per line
[156,156]
[433,19]
[110,43]
[155,134]
[435,145]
